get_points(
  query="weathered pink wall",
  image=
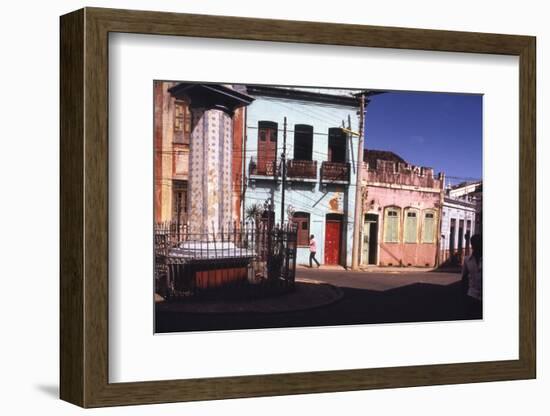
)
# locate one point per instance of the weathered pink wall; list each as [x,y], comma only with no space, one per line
[403,186]
[401,174]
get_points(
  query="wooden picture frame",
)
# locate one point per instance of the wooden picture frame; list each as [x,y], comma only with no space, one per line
[84,207]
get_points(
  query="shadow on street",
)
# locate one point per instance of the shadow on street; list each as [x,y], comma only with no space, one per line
[417,302]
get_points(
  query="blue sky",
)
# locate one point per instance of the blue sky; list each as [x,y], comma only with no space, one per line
[439,130]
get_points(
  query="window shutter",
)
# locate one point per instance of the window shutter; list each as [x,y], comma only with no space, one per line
[301,219]
[410,227]
[303,142]
[187,126]
[273,135]
[429,228]
[392,226]
[181,123]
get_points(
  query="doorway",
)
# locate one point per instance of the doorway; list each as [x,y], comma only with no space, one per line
[267,148]
[452,237]
[333,238]
[336,145]
[370,239]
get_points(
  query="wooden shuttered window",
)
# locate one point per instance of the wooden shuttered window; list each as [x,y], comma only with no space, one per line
[428,231]
[303,142]
[391,234]
[179,202]
[411,226]
[182,122]
[336,145]
[267,147]
[301,219]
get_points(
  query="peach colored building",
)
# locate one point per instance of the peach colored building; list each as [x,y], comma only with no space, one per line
[401,212]
[172,132]
[172,129]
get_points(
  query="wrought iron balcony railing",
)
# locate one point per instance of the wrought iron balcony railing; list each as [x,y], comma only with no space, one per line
[335,172]
[267,168]
[301,169]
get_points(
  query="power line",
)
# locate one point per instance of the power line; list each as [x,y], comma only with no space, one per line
[315,132]
[322,157]
[322,208]
[466,178]
[309,114]
[236,156]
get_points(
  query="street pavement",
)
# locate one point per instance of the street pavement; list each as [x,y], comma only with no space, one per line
[376,278]
[366,297]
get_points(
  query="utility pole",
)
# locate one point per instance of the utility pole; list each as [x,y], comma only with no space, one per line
[358,192]
[243,175]
[439,220]
[283,173]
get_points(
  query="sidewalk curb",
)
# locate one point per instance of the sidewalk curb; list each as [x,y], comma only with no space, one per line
[203,307]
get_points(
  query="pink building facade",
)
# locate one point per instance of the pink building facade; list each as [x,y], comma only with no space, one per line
[401,212]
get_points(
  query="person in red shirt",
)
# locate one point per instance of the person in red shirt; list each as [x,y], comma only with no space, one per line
[312,251]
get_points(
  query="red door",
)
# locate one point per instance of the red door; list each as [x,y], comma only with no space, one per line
[267,147]
[333,234]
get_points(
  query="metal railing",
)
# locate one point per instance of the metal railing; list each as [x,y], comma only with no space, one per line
[264,167]
[301,169]
[335,171]
[240,260]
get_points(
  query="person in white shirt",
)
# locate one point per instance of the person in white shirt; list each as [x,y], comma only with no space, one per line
[472,270]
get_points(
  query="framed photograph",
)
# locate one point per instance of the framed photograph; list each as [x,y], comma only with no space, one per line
[255,207]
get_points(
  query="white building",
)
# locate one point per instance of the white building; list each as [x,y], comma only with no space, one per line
[458,224]
[471,192]
[321,164]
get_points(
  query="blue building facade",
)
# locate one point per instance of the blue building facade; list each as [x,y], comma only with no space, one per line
[321,164]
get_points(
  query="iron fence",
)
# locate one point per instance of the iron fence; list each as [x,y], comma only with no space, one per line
[244,260]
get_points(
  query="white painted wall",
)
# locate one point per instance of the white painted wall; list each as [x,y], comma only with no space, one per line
[313,197]
[29,307]
[457,213]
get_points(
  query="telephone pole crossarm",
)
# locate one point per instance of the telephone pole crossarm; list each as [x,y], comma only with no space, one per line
[348,131]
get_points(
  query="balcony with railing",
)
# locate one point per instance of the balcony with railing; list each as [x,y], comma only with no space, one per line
[263,169]
[305,170]
[335,172]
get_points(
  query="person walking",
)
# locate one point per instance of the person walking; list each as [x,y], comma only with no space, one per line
[312,251]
